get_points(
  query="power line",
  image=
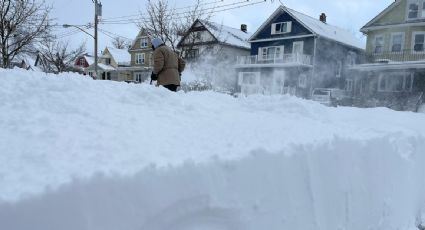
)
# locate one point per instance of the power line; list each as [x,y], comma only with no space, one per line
[231,6]
[243,2]
[180,8]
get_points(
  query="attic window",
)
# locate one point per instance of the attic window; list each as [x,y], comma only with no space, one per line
[413,10]
[281,27]
[143,42]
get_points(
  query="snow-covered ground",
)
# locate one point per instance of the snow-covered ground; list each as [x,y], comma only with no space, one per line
[82,154]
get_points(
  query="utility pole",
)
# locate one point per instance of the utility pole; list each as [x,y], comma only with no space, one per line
[97,15]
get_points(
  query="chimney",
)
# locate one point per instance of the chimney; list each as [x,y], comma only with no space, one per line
[323,17]
[244,28]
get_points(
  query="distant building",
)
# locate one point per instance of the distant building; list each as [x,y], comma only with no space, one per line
[141,57]
[294,53]
[113,65]
[83,62]
[393,70]
[214,48]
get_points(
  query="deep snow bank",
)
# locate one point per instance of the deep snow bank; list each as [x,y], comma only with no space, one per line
[120,156]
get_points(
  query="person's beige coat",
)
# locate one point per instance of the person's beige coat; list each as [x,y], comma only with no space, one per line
[168,66]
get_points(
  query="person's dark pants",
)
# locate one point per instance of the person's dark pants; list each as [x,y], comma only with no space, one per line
[171,87]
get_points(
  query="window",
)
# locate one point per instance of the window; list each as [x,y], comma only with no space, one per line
[271,53]
[351,58]
[249,78]
[415,9]
[419,41]
[82,62]
[379,44]
[140,58]
[395,82]
[397,40]
[349,85]
[281,28]
[298,47]
[107,61]
[338,69]
[191,54]
[144,43]
[302,81]
[138,77]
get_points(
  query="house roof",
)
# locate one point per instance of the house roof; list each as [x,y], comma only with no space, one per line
[380,15]
[227,35]
[318,28]
[121,56]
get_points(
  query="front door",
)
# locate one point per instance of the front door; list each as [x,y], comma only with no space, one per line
[249,83]
[278,82]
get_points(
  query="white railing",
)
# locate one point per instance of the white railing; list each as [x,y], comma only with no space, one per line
[302,59]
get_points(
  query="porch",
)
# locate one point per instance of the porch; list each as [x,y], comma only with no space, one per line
[285,60]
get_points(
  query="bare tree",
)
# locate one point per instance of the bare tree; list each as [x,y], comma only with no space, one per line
[58,55]
[22,22]
[121,43]
[165,22]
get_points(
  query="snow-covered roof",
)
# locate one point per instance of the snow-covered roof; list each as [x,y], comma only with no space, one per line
[89,59]
[317,27]
[102,66]
[228,35]
[121,56]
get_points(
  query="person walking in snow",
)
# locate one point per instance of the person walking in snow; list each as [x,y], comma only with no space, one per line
[168,66]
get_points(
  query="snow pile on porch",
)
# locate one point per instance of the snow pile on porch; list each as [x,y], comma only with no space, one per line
[82,154]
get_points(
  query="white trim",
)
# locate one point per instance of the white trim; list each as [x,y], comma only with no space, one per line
[392,26]
[284,38]
[413,42]
[374,43]
[256,78]
[403,41]
[302,46]
[143,58]
[288,27]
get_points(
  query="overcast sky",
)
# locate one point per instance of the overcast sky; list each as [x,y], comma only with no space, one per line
[347,14]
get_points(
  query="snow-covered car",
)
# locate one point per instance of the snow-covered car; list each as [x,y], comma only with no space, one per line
[328,96]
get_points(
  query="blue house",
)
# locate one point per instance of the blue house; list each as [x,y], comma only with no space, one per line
[294,53]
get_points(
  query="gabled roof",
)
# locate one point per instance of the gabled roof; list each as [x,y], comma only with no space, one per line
[121,56]
[380,15]
[316,27]
[228,35]
[225,34]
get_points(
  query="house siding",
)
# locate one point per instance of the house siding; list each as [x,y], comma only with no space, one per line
[308,45]
[396,16]
[297,28]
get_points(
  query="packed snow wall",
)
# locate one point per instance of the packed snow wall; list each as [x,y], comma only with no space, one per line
[83,154]
[343,184]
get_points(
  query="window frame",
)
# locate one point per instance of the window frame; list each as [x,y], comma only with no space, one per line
[144,42]
[375,42]
[288,27]
[414,42]
[266,56]
[403,41]
[406,87]
[256,76]
[140,58]
[349,85]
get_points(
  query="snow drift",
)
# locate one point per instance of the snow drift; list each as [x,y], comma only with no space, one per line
[82,154]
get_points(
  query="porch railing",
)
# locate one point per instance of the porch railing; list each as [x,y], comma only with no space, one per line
[401,56]
[302,59]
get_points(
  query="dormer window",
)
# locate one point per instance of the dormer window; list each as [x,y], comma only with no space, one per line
[281,27]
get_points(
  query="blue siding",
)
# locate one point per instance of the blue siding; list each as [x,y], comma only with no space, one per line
[297,28]
[308,45]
